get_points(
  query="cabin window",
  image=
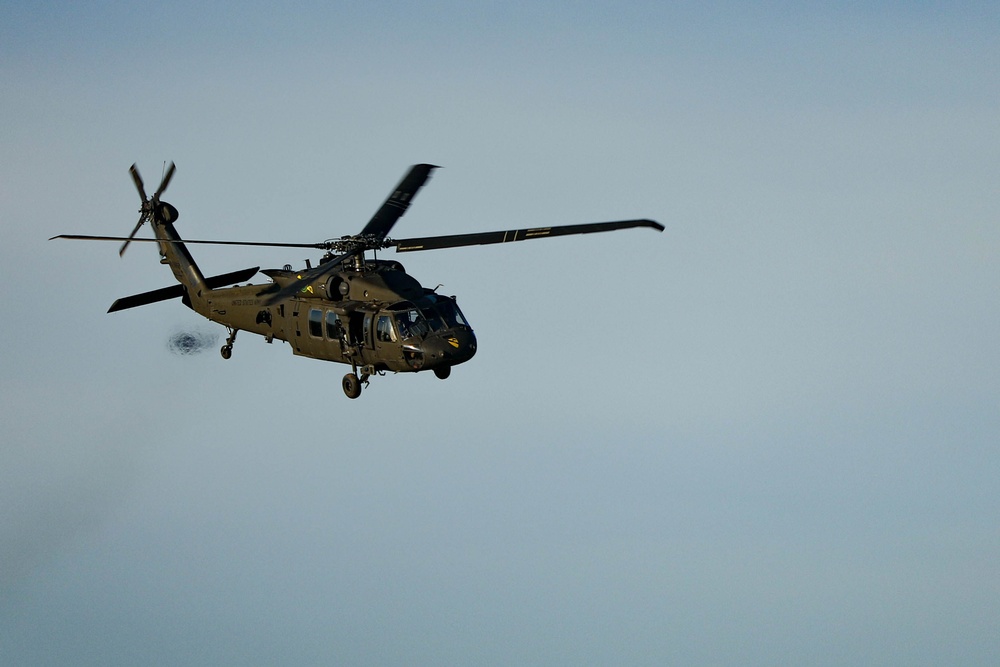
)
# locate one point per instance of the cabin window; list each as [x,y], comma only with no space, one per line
[384,331]
[334,328]
[316,323]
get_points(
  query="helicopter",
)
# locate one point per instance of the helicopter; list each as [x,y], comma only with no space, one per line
[349,308]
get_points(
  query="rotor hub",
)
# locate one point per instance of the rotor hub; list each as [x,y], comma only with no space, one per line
[357,243]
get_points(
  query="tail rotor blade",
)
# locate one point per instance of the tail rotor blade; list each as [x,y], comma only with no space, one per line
[137,179]
[147,204]
[165,182]
[135,230]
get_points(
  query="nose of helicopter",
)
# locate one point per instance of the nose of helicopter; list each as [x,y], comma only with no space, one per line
[449,348]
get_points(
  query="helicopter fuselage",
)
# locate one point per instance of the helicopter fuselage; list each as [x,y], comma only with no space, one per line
[373,316]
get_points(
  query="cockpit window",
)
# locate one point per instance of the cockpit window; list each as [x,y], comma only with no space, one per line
[384,329]
[411,323]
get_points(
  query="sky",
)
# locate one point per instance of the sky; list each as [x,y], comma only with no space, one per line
[765,436]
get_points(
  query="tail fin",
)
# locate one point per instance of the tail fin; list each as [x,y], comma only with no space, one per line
[175,253]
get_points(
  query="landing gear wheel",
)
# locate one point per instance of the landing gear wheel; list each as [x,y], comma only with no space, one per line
[352,385]
[442,372]
[227,349]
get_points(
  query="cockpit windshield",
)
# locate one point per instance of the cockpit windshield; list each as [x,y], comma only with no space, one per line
[441,312]
[451,314]
[432,317]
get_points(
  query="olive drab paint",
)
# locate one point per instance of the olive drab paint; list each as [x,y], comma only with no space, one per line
[351,309]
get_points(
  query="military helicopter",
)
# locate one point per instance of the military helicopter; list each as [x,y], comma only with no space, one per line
[350,308]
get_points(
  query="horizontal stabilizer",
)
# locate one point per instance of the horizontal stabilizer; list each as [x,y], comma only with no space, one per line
[175,291]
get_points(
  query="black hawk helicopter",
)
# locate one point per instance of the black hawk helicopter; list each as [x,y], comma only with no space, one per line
[350,308]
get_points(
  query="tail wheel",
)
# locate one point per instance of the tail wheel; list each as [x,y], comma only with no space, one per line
[352,385]
[227,349]
[442,372]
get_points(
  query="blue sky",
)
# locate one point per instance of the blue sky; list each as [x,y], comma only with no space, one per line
[765,436]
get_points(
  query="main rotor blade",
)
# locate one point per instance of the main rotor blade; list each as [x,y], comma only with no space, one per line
[165,182]
[84,237]
[485,238]
[175,291]
[397,203]
[308,277]
[137,179]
